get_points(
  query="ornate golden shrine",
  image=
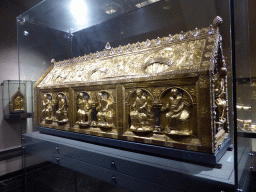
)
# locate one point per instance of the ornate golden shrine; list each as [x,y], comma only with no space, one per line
[17,103]
[169,91]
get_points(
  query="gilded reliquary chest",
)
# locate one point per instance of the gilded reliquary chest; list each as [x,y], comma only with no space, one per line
[169,91]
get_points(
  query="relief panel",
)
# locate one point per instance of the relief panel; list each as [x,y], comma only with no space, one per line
[53,109]
[94,110]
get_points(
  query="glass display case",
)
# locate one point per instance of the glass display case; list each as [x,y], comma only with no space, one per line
[56,37]
[16,99]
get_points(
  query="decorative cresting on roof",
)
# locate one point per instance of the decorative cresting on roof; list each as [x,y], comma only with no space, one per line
[181,53]
[217,21]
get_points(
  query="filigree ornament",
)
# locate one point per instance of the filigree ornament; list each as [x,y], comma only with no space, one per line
[173,57]
[156,92]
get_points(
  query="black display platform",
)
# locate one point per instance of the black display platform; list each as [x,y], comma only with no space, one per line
[206,159]
[246,134]
[18,116]
[134,171]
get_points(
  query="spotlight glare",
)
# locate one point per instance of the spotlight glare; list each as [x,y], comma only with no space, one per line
[79,10]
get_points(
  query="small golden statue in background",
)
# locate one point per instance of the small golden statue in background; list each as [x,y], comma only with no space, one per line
[141,114]
[47,112]
[19,103]
[61,113]
[84,116]
[104,110]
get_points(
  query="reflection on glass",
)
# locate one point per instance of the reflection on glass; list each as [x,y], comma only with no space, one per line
[79,10]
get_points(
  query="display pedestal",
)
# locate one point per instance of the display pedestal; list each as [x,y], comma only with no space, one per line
[18,116]
[206,159]
[134,171]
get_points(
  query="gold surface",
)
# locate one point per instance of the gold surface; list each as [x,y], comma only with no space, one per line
[169,91]
[84,109]
[155,59]
[17,103]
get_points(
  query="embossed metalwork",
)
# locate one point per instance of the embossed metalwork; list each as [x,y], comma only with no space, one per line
[18,103]
[84,110]
[169,91]
[61,112]
[157,60]
[176,110]
[141,113]
[47,112]
[105,110]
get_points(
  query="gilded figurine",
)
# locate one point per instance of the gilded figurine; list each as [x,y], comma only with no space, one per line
[84,116]
[47,112]
[61,113]
[104,112]
[176,111]
[220,94]
[19,103]
[141,114]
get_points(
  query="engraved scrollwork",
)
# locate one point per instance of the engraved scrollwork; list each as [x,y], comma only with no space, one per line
[47,112]
[98,73]
[105,110]
[176,112]
[141,111]
[84,109]
[62,109]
